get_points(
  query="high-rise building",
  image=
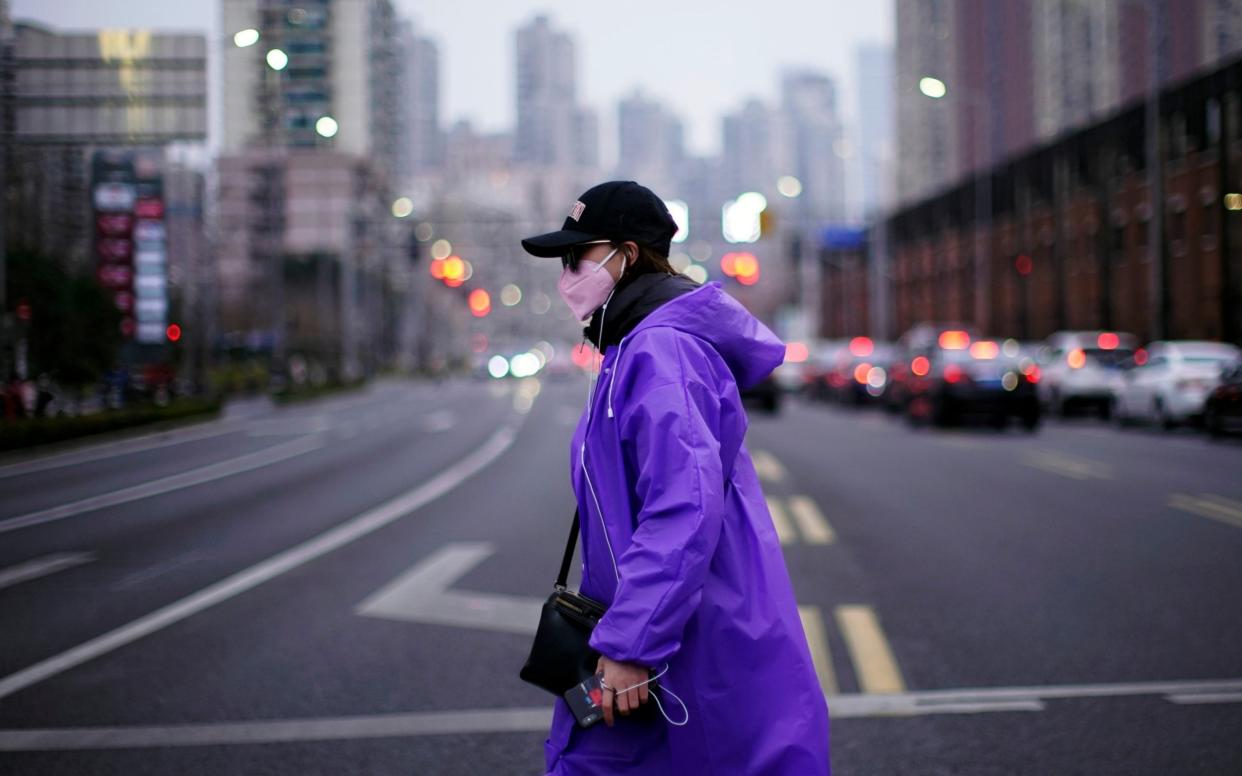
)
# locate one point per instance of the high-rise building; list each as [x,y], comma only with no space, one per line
[70,93]
[1025,71]
[875,146]
[421,147]
[651,139]
[312,135]
[816,143]
[753,148]
[552,129]
[333,81]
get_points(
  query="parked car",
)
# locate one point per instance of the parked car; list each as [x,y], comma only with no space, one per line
[860,374]
[1081,369]
[910,356]
[1222,413]
[1173,385]
[817,374]
[767,395]
[980,381]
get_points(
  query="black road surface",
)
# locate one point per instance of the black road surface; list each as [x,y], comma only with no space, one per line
[266,594]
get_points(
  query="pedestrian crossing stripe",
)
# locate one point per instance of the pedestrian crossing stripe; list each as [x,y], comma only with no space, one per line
[808,525]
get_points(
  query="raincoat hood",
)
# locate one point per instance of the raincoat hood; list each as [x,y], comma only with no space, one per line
[749,348]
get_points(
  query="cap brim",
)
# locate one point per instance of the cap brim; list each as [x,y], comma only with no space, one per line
[555,244]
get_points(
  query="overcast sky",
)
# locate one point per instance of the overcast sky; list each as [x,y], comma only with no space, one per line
[703,58]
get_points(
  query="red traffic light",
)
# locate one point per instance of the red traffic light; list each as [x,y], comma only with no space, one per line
[480,302]
[173,332]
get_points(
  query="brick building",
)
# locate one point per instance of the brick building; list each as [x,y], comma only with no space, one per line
[1068,230]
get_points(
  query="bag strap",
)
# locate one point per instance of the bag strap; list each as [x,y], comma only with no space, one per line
[563,577]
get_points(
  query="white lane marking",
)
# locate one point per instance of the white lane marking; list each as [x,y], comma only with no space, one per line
[873,660]
[811,522]
[767,467]
[124,447]
[264,571]
[784,529]
[210,473]
[817,641]
[422,594]
[536,719]
[1206,697]
[1209,506]
[1067,466]
[41,567]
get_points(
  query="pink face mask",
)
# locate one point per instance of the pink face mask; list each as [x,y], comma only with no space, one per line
[586,290]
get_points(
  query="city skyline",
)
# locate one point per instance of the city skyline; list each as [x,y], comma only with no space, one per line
[708,66]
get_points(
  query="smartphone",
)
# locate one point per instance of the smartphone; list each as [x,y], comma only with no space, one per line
[586,701]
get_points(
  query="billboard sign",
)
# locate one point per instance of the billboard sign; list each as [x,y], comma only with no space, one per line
[128,194]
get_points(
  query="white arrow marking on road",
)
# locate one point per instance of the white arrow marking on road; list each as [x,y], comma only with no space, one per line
[41,567]
[422,595]
[215,471]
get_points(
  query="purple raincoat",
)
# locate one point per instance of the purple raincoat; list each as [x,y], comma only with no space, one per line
[661,475]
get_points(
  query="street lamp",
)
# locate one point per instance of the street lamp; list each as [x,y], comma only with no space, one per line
[277,59]
[936,89]
[326,126]
[246,38]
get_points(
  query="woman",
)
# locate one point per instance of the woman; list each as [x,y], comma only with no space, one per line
[676,537]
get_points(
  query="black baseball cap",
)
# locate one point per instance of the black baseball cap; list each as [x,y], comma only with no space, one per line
[616,210]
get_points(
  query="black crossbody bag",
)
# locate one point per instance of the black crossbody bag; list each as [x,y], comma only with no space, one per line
[561,655]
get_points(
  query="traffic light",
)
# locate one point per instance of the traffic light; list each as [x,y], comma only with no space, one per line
[480,303]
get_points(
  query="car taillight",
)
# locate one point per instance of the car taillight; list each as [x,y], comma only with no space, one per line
[952,373]
[1076,359]
[1031,373]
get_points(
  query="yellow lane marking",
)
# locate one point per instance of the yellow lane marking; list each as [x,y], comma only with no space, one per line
[817,640]
[873,660]
[1067,466]
[768,468]
[784,529]
[1210,506]
[810,520]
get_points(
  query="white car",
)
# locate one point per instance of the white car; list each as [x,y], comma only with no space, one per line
[1080,369]
[1172,386]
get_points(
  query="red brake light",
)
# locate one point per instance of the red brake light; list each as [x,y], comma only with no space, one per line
[861,346]
[954,340]
[984,350]
[1140,357]
[860,373]
[920,366]
[1032,374]
[1108,341]
[952,373]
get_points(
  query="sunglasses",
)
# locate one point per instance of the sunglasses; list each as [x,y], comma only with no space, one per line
[573,256]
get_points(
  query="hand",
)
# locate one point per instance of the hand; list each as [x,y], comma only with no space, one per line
[617,677]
